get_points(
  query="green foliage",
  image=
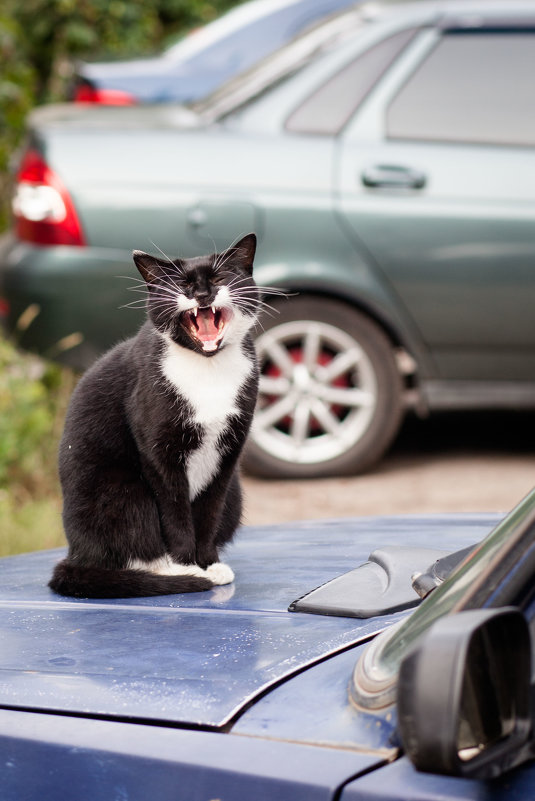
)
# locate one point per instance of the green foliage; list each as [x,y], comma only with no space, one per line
[58,31]
[179,16]
[33,398]
[31,526]
[17,92]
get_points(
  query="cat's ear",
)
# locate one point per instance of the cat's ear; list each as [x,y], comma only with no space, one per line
[147,265]
[245,251]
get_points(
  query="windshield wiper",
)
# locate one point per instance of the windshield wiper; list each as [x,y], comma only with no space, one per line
[391,580]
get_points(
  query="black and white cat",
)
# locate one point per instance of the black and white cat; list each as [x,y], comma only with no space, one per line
[149,455]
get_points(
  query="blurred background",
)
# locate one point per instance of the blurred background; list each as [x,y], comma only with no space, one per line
[40,42]
[57,50]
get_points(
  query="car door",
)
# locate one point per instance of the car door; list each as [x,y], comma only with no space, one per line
[436,178]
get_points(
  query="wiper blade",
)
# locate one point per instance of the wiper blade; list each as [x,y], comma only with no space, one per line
[380,586]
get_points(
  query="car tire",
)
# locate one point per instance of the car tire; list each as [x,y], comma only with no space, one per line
[330,397]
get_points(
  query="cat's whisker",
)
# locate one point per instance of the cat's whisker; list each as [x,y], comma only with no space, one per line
[167,288]
[258,307]
[140,288]
[263,305]
[135,304]
[227,252]
[130,278]
[221,260]
[271,290]
[164,306]
[262,290]
[161,292]
[242,277]
[239,279]
[169,281]
[165,255]
[253,293]
[165,285]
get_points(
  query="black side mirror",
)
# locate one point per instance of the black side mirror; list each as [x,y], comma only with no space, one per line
[464,695]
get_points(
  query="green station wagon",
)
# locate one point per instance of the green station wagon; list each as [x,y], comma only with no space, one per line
[385,160]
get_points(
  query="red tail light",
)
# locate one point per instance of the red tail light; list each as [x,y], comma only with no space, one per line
[44,212]
[85,93]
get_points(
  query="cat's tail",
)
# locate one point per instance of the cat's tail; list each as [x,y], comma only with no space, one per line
[94,582]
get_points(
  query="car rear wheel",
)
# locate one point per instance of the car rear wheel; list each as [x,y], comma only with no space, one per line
[330,397]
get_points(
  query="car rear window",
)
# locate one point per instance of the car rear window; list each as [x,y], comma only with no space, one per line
[328,109]
[474,87]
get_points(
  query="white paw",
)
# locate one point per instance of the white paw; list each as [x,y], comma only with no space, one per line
[166,567]
[219,573]
[176,569]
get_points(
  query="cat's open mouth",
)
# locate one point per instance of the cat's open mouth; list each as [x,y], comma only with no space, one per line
[206,325]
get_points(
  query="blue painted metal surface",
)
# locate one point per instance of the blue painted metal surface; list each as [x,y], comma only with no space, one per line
[200,658]
[46,759]
[210,659]
[322,712]
[401,782]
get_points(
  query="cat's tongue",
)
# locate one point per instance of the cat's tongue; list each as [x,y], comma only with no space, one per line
[208,332]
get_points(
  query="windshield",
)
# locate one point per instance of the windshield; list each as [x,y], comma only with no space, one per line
[496,573]
[286,61]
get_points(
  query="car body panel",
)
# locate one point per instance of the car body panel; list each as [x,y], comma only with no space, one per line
[298,737]
[330,721]
[42,755]
[459,249]
[201,657]
[190,667]
[71,332]
[279,204]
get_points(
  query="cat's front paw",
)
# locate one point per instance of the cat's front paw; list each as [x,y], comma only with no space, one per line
[219,573]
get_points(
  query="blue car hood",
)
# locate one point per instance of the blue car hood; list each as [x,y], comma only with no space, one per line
[199,659]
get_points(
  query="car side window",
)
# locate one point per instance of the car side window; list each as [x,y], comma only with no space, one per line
[456,92]
[328,109]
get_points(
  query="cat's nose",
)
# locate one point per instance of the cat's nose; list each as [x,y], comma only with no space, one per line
[203,297]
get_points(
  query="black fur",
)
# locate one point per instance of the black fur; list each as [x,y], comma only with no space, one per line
[130,434]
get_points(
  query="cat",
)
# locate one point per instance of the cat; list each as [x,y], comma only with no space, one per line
[148,460]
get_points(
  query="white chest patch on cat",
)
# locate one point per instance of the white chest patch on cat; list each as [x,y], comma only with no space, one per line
[203,463]
[211,386]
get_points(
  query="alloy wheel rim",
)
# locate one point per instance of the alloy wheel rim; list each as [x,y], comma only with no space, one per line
[317,395]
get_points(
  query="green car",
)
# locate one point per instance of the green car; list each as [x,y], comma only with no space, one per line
[386,162]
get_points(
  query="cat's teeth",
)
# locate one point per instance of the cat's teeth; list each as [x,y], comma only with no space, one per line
[195,310]
[213,310]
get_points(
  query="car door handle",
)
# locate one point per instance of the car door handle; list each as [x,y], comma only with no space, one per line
[393,176]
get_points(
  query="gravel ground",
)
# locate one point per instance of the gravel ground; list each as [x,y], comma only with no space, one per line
[470,462]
